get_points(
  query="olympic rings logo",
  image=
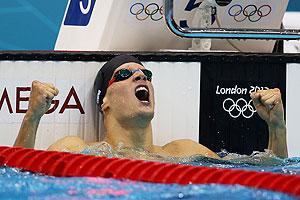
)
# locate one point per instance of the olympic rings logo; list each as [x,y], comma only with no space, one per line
[238,108]
[250,12]
[142,12]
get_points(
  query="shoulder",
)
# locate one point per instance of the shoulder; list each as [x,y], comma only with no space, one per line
[187,147]
[69,143]
[182,142]
[180,145]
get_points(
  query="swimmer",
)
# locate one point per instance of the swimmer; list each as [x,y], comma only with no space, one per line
[124,81]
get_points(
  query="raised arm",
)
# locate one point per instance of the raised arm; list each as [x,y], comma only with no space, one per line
[40,99]
[268,104]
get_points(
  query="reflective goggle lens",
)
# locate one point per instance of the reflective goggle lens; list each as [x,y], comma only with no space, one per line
[124,74]
[147,73]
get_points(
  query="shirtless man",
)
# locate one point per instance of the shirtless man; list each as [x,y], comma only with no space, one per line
[125,97]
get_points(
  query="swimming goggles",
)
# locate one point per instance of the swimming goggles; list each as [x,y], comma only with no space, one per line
[124,74]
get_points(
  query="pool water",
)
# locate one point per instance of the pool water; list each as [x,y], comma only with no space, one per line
[262,162]
[17,185]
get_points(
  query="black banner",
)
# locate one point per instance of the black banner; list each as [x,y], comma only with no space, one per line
[228,119]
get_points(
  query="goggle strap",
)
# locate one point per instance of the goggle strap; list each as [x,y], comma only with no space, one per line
[111,81]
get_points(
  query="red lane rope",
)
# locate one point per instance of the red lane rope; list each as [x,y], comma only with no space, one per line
[62,164]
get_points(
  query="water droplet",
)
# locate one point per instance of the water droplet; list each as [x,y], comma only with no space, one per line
[180,195]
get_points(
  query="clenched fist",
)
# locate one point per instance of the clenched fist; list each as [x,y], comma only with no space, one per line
[40,99]
[268,104]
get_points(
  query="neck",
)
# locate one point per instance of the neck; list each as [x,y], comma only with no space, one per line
[129,133]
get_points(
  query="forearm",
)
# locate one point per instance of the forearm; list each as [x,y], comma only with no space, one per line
[277,141]
[27,132]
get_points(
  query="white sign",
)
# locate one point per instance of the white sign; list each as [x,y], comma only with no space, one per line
[139,25]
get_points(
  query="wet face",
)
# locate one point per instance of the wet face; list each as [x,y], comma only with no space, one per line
[132,98]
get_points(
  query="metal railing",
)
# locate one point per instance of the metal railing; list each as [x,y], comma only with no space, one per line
[276,34]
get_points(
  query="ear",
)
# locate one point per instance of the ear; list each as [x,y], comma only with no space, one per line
[105,105]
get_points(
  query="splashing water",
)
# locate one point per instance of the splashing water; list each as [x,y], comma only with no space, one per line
[258,161]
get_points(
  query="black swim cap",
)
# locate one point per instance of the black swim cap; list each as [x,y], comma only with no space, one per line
[105,74]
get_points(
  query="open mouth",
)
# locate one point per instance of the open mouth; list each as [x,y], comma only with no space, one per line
[142,94]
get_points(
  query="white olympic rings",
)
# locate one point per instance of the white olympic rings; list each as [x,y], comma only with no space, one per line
[239,108]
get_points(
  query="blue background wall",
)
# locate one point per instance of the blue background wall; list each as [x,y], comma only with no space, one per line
[294,5]
[30,24]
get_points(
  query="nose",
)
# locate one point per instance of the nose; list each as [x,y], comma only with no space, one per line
[139,75]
